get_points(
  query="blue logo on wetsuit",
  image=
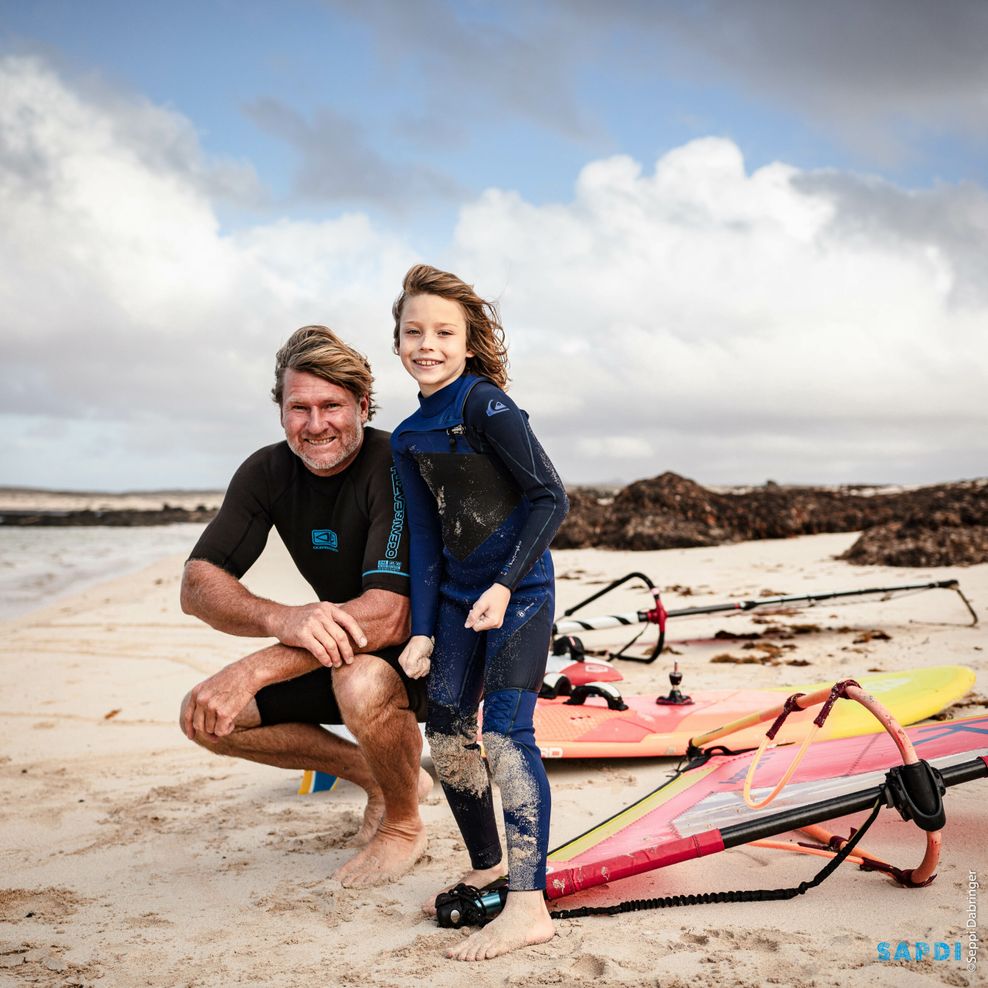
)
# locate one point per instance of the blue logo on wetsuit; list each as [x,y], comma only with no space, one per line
[495,407]
[325,538]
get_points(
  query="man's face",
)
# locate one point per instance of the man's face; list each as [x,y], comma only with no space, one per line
[324,423]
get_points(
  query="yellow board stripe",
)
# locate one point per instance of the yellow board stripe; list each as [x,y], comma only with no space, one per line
[681,783]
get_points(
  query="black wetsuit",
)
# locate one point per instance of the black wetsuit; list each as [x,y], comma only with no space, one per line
[483,504]
[345,533]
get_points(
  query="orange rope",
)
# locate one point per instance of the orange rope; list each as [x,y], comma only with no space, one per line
[780,785]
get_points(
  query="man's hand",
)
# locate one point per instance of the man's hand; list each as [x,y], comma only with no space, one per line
[320,628]
[215,703]
[416,657]
[488,611]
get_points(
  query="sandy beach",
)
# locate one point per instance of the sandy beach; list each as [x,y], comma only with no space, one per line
[132,857]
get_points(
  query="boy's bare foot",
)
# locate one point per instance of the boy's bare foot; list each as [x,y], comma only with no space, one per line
[391,852]
[524,921]
[374,810]
[477,878]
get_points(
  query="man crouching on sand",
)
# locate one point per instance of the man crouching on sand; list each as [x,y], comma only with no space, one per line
[332,494]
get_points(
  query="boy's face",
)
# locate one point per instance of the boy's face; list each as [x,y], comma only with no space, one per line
[432,341]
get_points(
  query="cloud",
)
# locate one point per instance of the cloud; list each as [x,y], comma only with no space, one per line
[695,316]
[743,325]
[338,162]
[872,72]
[886,78]
[129,315]
[474,61]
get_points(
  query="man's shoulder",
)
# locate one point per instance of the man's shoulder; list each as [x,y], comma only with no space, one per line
[264,468]
[275,457]
[377,440]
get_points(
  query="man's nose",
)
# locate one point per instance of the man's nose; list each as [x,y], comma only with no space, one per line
[318,420]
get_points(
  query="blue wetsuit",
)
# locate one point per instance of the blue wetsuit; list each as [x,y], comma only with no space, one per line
[483,503]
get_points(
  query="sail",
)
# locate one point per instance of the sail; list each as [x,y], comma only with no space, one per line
[687,816]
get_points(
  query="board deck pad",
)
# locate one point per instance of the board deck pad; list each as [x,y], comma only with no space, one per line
[647,729]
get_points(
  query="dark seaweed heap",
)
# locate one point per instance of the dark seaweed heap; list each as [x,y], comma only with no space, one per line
[946,524]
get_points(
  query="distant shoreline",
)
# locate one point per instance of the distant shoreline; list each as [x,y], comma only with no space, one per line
[110,518]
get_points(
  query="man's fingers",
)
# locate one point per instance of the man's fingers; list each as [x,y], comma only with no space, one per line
[339,636]
[349,623]
[326,650]
[197,720]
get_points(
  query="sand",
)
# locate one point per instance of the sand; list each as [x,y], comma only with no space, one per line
[132,857]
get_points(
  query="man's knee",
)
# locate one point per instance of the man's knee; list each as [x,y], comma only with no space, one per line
[183,713]
[368,685]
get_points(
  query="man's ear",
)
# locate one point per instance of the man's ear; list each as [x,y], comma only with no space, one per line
[364,405]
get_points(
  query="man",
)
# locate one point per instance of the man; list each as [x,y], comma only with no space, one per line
[332,494]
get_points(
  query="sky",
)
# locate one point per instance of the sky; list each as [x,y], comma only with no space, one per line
[743,240]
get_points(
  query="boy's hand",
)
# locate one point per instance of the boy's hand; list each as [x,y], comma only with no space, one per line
[416,657]
[488,611]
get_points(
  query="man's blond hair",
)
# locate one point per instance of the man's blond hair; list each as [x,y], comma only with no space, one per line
[318,350]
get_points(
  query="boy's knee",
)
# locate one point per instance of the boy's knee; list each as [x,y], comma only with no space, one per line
[508,726]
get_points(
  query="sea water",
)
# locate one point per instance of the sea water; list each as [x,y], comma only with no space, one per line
[41,565]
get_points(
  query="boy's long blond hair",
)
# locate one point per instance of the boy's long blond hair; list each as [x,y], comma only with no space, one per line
[485,335]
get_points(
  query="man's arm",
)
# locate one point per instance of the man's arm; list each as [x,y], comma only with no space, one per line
[223,602]
[212,707]
[373,620]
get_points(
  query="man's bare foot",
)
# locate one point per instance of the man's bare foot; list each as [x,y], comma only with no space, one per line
[391,852]
[524,921]
[477,878]
[374,810]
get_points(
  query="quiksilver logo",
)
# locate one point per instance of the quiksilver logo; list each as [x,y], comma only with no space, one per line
[494,407]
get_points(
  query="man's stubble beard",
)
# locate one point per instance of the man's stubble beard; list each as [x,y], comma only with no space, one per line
[344,450]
